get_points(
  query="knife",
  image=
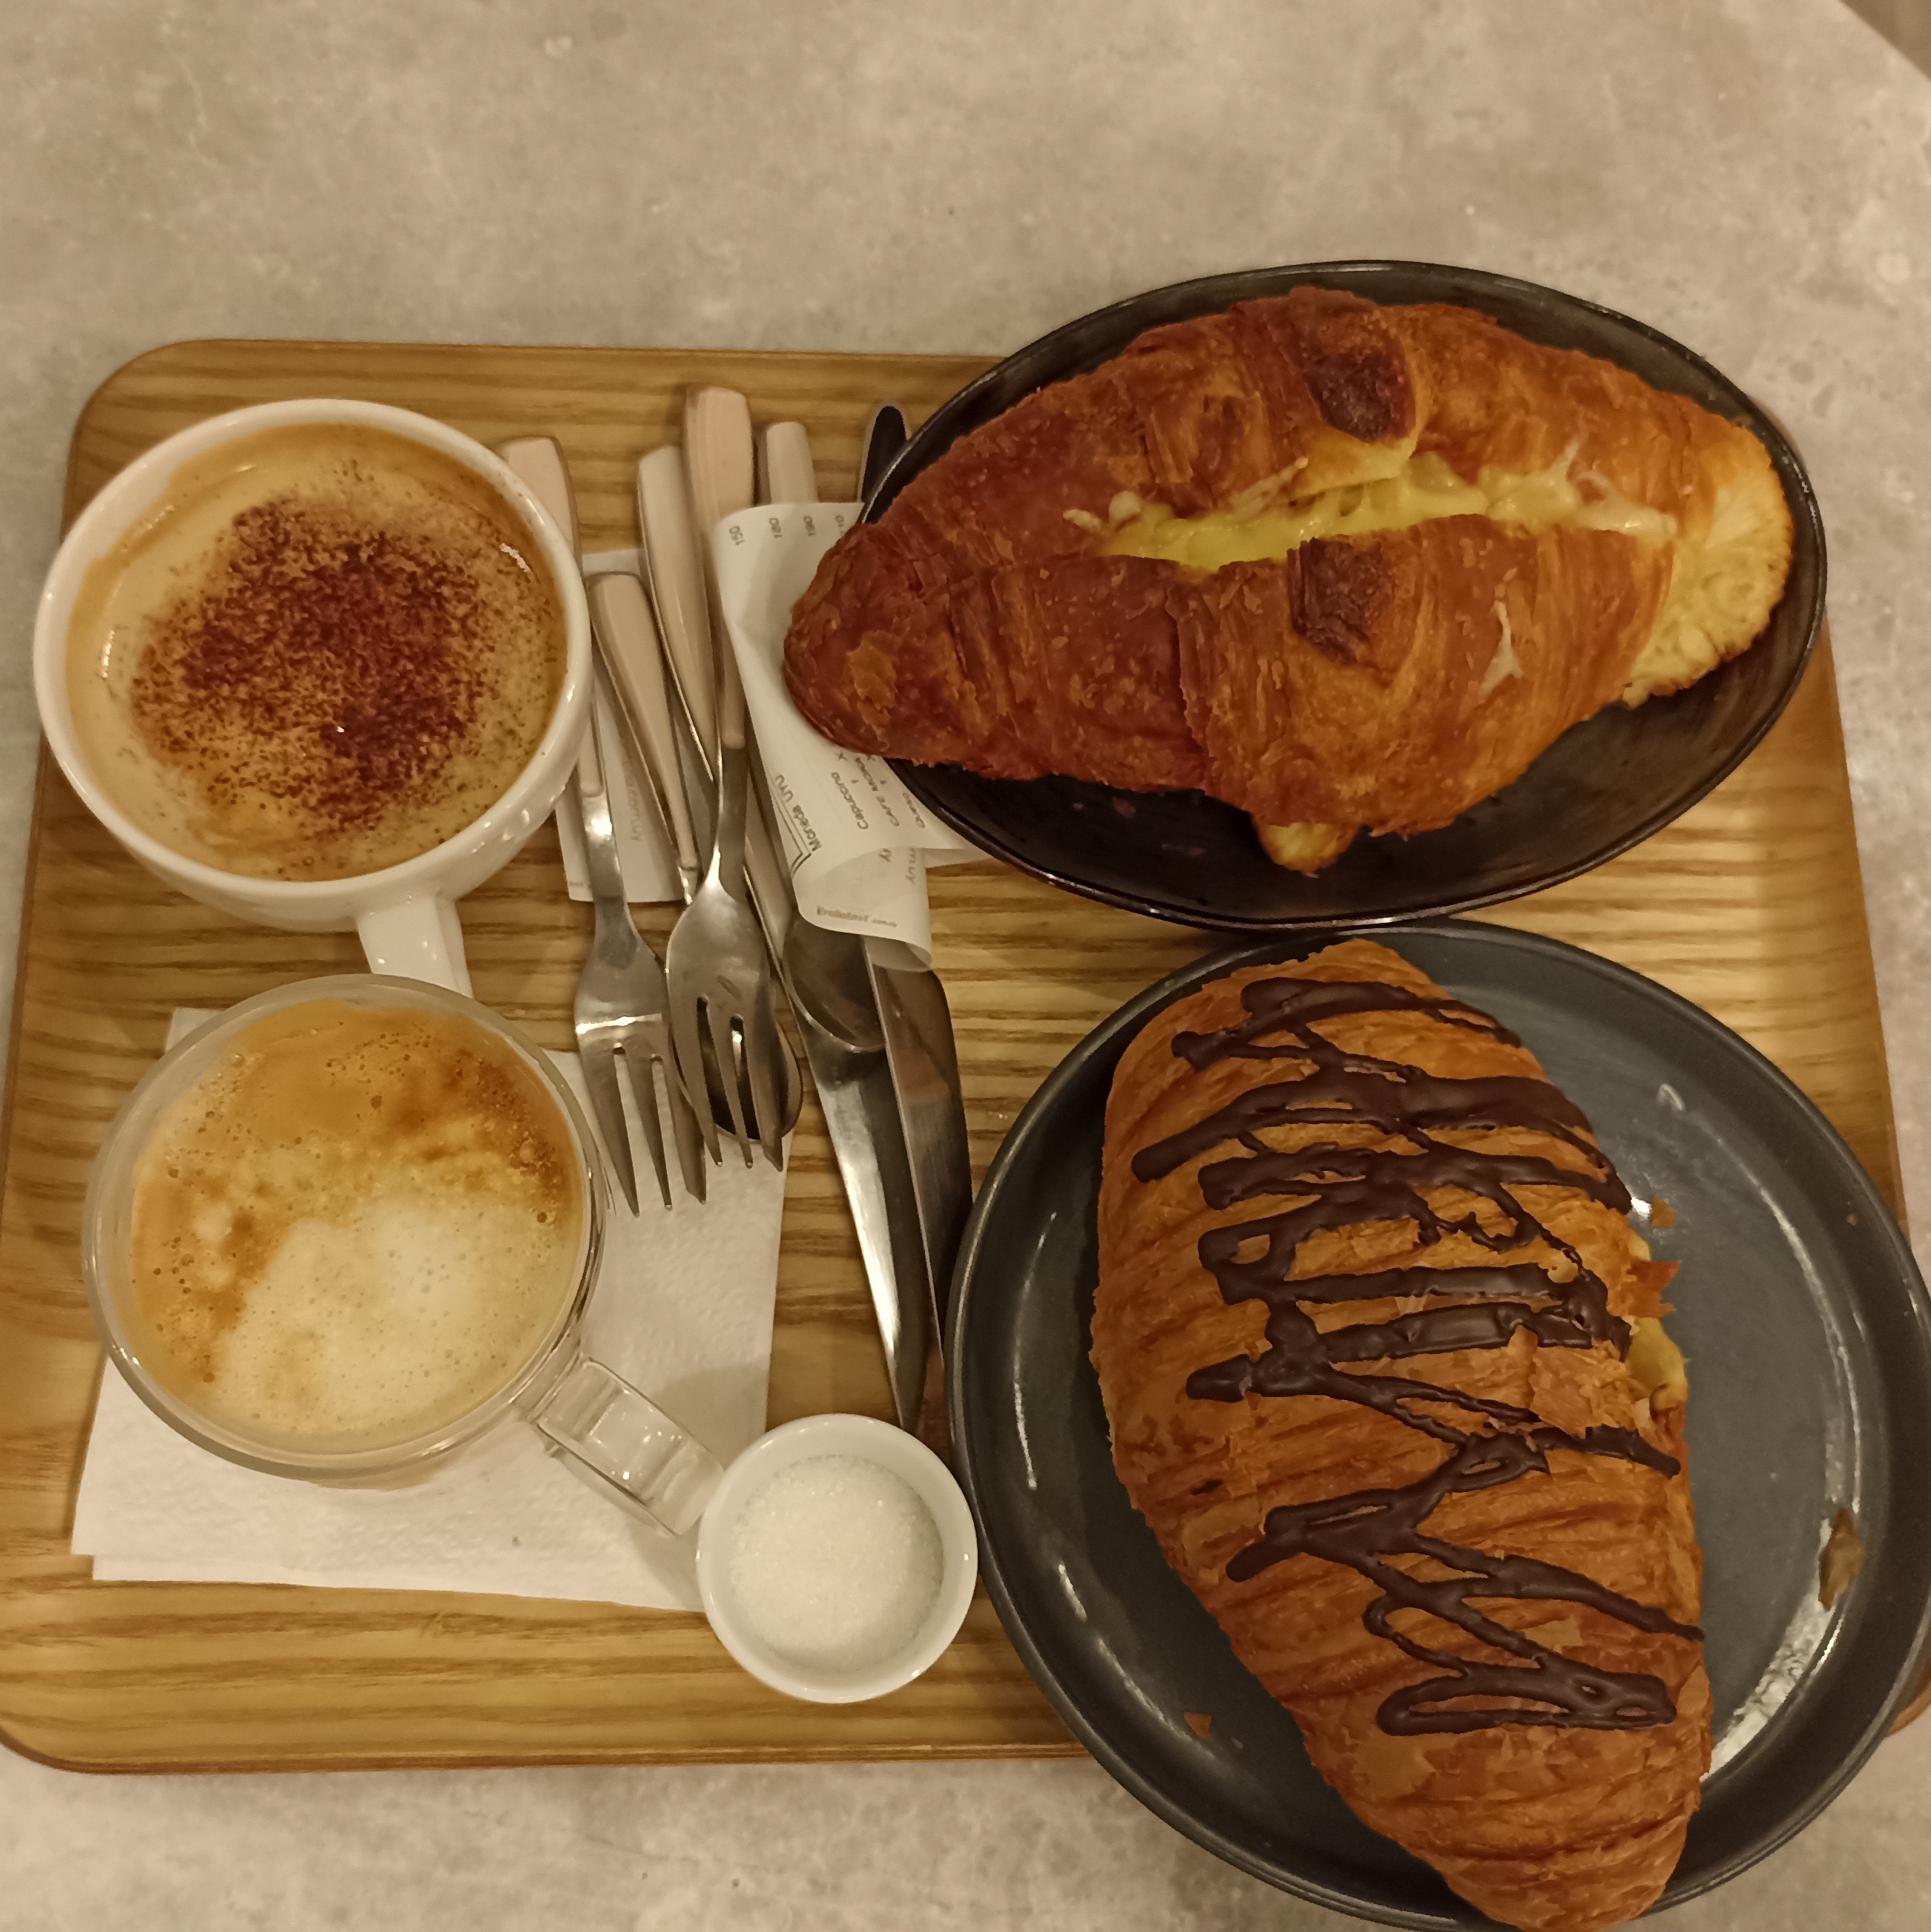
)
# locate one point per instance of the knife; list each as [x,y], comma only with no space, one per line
[828,983]
[916,1023]
[878,1033]
[826,979]
[885,436]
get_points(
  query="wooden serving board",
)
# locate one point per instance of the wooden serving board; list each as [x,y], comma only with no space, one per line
[1750,905]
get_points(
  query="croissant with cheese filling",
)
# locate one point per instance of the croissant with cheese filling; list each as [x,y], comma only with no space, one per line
[1346,567]
[1383,1366]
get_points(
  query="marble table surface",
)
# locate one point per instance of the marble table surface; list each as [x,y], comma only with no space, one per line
[1753,176]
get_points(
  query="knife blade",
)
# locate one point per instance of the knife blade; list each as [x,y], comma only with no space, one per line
[916,1021]
[922,1054]
[860,1105]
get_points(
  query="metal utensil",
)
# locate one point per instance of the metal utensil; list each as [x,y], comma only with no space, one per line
[902,1160]
[885,436]
[915,1016]
[677,564]
[673,562]
[623,999]
[627,642]
[621,996]
[720,976]
[785,473]
[916,1021]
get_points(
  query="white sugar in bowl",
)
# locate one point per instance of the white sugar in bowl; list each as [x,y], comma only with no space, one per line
[836,1559]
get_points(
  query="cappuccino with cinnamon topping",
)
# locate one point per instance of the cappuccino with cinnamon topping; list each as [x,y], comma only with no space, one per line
[325,650]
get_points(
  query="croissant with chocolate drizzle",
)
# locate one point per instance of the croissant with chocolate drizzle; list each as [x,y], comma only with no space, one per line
[1345,566]
[1385,1372]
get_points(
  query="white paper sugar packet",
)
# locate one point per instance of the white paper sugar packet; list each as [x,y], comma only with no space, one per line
[682,1309]
[858,842]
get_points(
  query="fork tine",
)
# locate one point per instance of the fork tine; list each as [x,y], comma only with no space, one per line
[641,1069]
[684,1131]
[727,1066]
[764,1100]
[598,1058]
[688,1050]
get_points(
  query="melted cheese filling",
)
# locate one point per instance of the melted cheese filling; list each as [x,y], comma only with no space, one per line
[1424,488]
[1658,1374]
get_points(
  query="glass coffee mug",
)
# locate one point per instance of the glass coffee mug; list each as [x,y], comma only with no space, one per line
[609,1432]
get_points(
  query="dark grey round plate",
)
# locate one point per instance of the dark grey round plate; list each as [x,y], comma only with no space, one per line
[1606,784]
[1809,1338]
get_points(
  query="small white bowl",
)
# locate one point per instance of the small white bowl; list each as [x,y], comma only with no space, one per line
[888,1448]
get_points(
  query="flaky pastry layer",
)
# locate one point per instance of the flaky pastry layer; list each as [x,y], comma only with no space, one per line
[1264,1410]
[1346,567]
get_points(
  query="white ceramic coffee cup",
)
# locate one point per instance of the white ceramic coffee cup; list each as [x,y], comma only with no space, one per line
[407,913]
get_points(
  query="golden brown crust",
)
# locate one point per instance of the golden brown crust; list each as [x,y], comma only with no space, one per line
[1569,1829]
[1394,681]
[1390,681]
[944,634]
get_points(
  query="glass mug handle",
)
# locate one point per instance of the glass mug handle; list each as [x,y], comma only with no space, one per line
[419,937]
[626,1446]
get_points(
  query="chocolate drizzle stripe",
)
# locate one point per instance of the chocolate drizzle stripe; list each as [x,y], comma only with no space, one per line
[1561,1302]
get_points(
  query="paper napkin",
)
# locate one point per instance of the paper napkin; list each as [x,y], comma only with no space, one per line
[682,1309]
[858,842]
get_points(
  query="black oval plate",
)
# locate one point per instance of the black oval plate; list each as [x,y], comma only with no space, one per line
[1809,1337]
[1605,785]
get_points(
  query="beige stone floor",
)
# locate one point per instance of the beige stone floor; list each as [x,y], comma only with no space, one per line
[1754,176]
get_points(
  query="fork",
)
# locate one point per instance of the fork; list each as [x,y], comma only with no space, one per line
[622,994]
[628,640]
[715,961]
[719,973]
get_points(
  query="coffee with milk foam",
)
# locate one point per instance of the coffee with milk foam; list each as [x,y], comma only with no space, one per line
[325,650]
[357,1227]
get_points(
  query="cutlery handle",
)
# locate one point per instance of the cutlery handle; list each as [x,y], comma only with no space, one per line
[789,477]
[676,568]
[720,453]
[540,468]
[590,762]
[603,870]
[719,449]
[734,795]
[771,889]
[884,438]
[620,613]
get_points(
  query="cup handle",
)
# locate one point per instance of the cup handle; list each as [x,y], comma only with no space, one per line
[623,1445]
[417,938]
